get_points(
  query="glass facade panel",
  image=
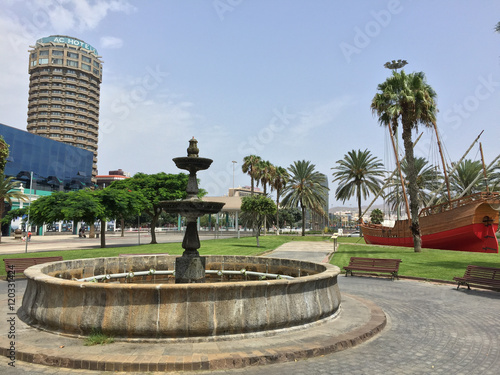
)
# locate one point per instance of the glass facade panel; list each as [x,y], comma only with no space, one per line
[55,165]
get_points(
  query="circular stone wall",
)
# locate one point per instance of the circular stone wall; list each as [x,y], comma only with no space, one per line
[55,302]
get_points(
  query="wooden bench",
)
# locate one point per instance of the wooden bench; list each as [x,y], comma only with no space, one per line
[144,254]
[18,265]
[374,265]
[480,276]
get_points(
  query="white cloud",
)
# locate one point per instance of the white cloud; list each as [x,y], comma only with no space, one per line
[111,42]
[76,15]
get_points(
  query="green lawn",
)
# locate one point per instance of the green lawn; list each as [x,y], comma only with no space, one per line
[429,264]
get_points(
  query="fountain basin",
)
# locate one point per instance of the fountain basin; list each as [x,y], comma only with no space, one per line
[210,311]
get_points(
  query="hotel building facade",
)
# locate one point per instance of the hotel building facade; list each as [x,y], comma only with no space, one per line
[63,103]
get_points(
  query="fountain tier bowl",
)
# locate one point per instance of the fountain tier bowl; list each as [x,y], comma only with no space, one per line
[55,302]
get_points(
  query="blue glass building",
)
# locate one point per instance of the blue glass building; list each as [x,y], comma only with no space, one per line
[56,166]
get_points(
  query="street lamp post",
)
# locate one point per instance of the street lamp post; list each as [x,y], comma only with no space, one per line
[234,162]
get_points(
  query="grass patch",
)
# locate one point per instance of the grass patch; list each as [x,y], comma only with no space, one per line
[429,264]
[96,337]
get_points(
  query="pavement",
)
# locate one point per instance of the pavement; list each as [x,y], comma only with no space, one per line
[431,328]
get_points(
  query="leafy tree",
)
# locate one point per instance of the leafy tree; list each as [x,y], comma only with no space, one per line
[306,188]
[377,216]
[288,217]
[357,175]
[4,154]
[7,193]
[250,166]
[118,204]
[409,100]
[257,207]
[155,188]
[497,27]
[278,182]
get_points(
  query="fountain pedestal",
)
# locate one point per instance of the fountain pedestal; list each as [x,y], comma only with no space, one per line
[190,268]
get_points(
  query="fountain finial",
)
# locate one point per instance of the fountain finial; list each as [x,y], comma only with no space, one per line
[193,150]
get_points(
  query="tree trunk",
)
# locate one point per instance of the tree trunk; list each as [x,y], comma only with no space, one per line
[360,219]
[303,219]
[122,222]
[2,208]
[277,212]
[412,188]
[154,220]
[103,234]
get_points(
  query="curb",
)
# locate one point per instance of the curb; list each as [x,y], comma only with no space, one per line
[306,345]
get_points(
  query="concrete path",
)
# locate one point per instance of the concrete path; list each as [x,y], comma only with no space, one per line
[432,329]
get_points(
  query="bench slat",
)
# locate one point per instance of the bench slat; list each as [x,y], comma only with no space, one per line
[374,265]
[479,276]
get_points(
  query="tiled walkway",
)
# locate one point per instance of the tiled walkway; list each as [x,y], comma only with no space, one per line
[431,329]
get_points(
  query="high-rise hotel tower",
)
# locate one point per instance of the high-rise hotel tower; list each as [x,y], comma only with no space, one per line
[63,104]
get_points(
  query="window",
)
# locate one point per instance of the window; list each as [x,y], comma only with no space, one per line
[70,93]
[70,86]
[69,122]
[70,115]
[68,129]
[96,64]
[55,128]
[33,55]
[56,113]
[57,61]
[70,71]
[56,106]
[70,107]
[72,63]
[96,72]
[72,55]
[86,67]
[86,59]
[55,120]
[54,136]
[57,70]
[43,113]
[33,63]
[56,77]
[44,52]
[56,52]
[43,61]
[55,91]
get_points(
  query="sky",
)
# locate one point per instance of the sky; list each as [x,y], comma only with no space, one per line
[286,80]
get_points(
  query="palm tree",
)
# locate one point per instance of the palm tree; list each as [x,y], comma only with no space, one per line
[249,166]
[306,188]
[428,179]
[7,193]
[265,171]
[278,183]
[357,175]
[464,176]
[409,100]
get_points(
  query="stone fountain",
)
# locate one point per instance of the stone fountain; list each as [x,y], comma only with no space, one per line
[190,268]
[135,298]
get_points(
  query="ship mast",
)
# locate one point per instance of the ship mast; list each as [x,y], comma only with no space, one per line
[444,164]
[484,168]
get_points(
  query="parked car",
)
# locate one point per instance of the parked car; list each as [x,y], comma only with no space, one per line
[356,233]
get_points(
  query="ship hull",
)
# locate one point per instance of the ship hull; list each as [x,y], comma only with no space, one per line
[469,224]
